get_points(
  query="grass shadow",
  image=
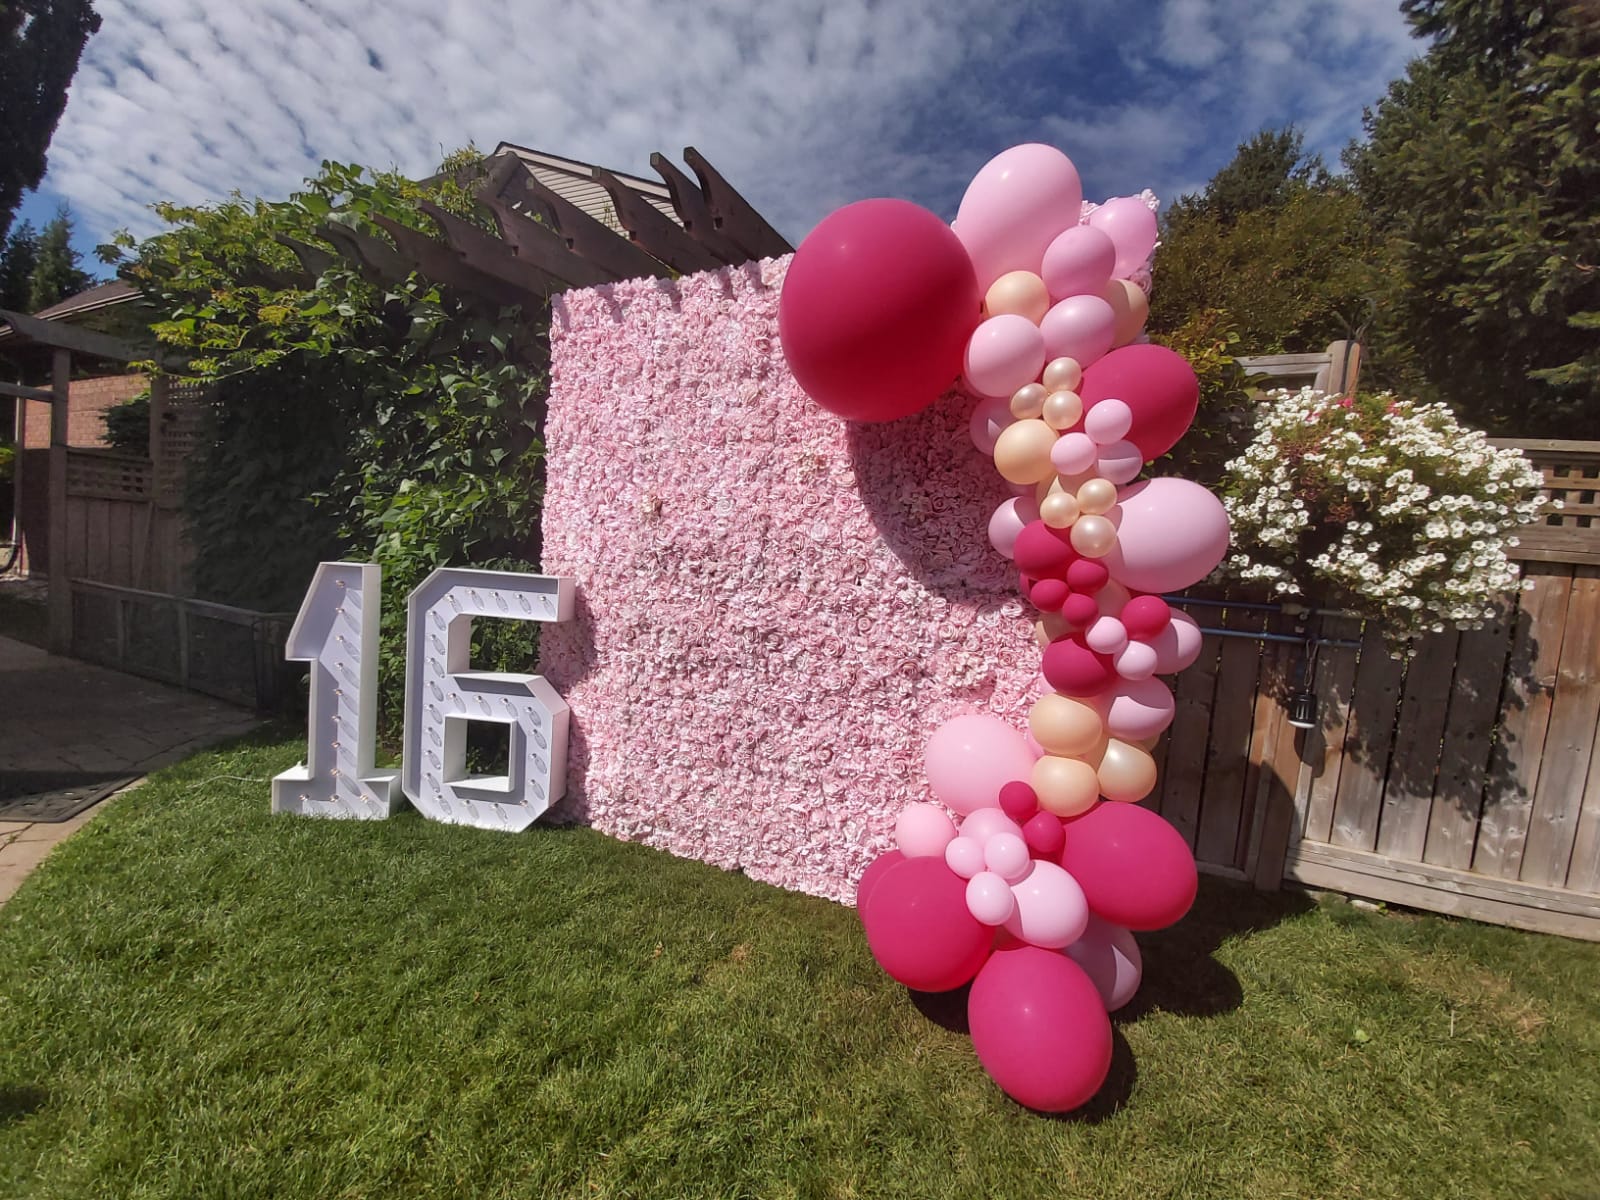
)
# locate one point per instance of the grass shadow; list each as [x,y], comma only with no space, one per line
[20,1100]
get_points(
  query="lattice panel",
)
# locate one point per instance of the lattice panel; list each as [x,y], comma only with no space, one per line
[180,434]
[106,475]
[1572,475]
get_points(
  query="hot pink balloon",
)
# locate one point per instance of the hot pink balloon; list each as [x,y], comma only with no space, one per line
[1134,868]
[1171,535]
[969,759]
[1051,910]
[923,831]
[1039,1028]
[1146,616]
[919,929]
[1003,354]
[1014,208]
[1131,226]
[1109,956]
[874,872]
[1040,550]
[1138,709]
[1075,670]
[1157,384]
[989,419]
[1178,645]
[1078,262]
[1009,520]
[876,309]
[1080,327]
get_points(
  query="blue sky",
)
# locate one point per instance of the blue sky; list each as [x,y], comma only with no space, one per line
[804,106]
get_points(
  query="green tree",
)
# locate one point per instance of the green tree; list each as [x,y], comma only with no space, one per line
[40,44]
[1481,171]
[1265,173]
[18,257]
[56,274]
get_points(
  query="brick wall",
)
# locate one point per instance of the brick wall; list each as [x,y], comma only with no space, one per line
[90,399]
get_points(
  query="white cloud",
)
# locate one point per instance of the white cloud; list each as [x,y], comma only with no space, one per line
[804,105]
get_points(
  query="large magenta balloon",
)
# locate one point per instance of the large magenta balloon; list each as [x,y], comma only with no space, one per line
[874,872]
[876,310]
[1159,386]
[919,929]
[1135,869]
[1040,1028]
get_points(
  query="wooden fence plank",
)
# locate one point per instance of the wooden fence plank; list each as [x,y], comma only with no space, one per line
[1569,741]
[1524,716]
[1186,744]
[1322,748]
[1367,742]
[1468,740]
[1413,767]
[77,531]
[1228,754]
[1275,765]
[1584,873]
[119,563]
[97,552]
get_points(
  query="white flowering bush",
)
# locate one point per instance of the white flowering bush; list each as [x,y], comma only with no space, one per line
[1380,506]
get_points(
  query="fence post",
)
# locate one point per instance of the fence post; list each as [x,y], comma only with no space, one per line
[60,586]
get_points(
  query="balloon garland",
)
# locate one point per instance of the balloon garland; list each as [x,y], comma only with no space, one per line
[1034,895]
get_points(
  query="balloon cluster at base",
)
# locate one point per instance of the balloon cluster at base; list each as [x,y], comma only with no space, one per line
[1031,868]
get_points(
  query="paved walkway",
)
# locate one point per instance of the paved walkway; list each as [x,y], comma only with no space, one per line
[70,723]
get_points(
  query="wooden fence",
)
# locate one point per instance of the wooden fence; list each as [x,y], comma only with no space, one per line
[120,531]
[1465,781]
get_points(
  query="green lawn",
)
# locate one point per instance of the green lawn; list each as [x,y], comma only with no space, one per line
[198,999]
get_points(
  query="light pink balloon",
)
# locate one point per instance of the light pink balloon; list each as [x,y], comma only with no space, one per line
[1014,208]
[964,856]
[989,418]
[923,831]
[969,759]
[1106,635]
[1109,956]
[1136,660]
[1138,709]
[1073,453]
[1131,226]
[1178,645]
[1004,353]
[1034,748]
[1051,909]
[1079,327]
[1009,520]
[1120,462]
[1007,856]
[989,898]
[986,823]
[1172,533]
[1079,262]
[1108,422]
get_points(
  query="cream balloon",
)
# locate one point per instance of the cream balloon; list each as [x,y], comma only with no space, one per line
[1063,725]
[1063,374]
[1062,410]
[1028,401]
[1065,786]
[1059,510]
[1093,536]
[1126,773]
[1097,496]
[1131,306]
[1022,452]
[1022,293]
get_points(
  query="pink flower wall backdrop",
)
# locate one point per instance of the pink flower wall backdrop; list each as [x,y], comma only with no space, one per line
[775,607]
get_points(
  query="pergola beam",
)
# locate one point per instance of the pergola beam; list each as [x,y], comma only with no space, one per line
[69,337]
[653,232]
[734,216]
[27,393]
[585,236]
[690,203]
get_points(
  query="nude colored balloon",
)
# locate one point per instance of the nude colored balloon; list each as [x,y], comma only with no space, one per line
[1014,208]
[1004,353]
[1065,786]
[1059,510]
[1063,374]
[1021,293]
[1022,452]
[1097,496]
[1079,327]
[1126,773]
[989,418]
[1065,726]
[1172,534]
[1062,410]
[1028,401]
[1094,536]
[1132,307]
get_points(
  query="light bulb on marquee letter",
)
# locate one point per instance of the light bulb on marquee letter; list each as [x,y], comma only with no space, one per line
[444,696]
[336,631]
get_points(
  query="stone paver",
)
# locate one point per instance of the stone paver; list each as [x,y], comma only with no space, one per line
[58,715]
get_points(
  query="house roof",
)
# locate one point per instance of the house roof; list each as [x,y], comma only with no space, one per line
[573,180]
[101,295]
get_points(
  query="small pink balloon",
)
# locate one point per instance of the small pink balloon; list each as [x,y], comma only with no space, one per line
[1079,262]
[1014,208]
[1171,535]
[1131,226]
[1074,453]
[964,856]
[923,831]
[1043,834]
[1120,462]
[986,823]
[1018,800]
[1080,609]
[1136,660]
[1079,327]
[989,420]
[1109,956]
[1004,353]
[970,758]
[990,899]
[1010,519]
[1136,709]
[1106,635]
[1108,422]
[1178,645]
[1146,616]
[1051,910]
[1007,856]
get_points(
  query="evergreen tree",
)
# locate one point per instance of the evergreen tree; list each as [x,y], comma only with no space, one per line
[1266,172]
[18,257]
[56,274]
[40,43]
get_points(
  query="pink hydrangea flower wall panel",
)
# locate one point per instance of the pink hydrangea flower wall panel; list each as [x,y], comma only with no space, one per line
[775,608]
